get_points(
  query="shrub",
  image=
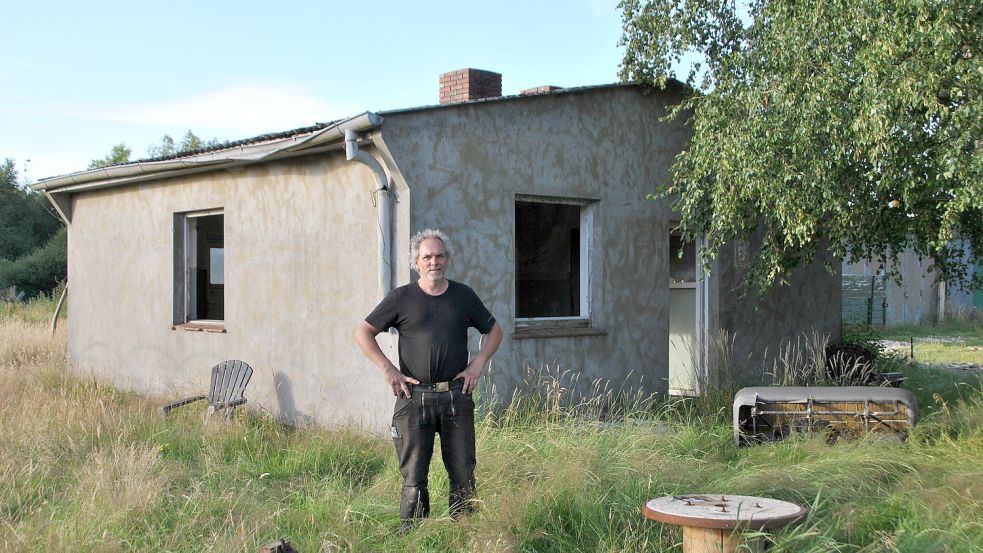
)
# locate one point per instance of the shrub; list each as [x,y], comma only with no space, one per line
[863,336]
[41,270]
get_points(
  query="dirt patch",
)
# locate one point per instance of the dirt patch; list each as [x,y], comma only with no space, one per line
[942,340]
[894,345]
[961,368]
[954,340]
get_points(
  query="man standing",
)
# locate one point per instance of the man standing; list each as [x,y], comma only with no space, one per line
[434,381]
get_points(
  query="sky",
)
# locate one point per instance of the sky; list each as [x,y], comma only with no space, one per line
[77,78]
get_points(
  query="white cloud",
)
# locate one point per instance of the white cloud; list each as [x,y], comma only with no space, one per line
[250,107]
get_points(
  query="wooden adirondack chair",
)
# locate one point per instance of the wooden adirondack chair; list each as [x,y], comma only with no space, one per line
[229,380]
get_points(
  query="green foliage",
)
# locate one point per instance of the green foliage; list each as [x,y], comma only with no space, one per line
[25,220]
[40,271]
[165,147]
[852,125]
[32,239]
[168,147]
[864,336]
[118,155]
[36,310]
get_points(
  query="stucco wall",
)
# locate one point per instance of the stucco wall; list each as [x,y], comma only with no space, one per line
[466,165]
[300,269]
[804,309]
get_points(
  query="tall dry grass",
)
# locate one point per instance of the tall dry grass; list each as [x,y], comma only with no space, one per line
[84,467]
[64,444]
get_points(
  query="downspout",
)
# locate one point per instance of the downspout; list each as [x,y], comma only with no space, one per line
[383,190]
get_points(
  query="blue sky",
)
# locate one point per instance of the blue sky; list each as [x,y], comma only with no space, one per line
[78,77]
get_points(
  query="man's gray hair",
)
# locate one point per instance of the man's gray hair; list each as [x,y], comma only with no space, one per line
[418,239]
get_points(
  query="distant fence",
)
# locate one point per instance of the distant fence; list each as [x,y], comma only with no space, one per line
[864,300]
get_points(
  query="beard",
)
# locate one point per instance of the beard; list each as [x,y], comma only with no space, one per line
[435,275]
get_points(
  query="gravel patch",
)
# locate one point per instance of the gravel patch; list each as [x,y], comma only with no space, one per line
[971,368]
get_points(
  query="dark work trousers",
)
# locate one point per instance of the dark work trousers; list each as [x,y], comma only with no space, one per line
[416,420]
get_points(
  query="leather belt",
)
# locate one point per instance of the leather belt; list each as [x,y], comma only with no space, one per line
[439,386]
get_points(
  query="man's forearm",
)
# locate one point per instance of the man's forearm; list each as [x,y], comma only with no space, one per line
[365,338]
[492,340]
[476,367]
[398,382]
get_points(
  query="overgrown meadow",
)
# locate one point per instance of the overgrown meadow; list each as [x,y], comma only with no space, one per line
[84,467]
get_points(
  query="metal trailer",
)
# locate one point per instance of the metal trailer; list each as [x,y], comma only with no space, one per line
[767,414]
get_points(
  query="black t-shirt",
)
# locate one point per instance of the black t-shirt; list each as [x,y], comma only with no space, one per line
[433,330]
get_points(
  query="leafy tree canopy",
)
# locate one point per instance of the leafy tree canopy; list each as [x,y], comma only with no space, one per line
[852,124]
[119,154]
[165,147]
[168,147]
[25,219]
[39,271]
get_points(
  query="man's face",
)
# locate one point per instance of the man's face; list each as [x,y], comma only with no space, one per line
[431,261]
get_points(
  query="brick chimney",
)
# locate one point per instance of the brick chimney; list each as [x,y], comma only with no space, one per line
[469,84]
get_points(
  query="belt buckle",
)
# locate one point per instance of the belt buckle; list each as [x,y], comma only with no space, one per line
[442,386]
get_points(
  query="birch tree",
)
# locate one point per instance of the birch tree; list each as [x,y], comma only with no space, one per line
[853,125]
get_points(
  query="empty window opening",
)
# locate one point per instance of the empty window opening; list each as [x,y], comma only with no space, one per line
[682,268]
[200,267]
[551,259]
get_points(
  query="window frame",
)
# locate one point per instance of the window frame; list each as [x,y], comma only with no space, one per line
[567,325]
[185,261]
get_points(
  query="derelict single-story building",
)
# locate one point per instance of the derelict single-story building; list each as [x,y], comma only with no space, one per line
[272,249]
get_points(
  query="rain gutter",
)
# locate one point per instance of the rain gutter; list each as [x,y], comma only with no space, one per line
[131,173]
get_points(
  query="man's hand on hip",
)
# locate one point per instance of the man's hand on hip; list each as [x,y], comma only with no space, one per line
[398,382]
[471,375]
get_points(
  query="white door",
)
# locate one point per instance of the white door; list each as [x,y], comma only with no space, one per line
[686,355]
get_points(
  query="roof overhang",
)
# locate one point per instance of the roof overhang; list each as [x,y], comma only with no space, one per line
[244,154]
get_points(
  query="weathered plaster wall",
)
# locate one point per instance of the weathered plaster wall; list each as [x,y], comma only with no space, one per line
[809,305]
[300,272]
[466,164]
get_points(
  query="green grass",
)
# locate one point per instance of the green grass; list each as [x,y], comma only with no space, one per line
[944,349]
[955,342]
[936,352]
[85,467]
[934,387]
[39,309]
[955,328]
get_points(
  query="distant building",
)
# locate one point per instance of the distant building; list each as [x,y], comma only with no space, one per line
[870,297]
